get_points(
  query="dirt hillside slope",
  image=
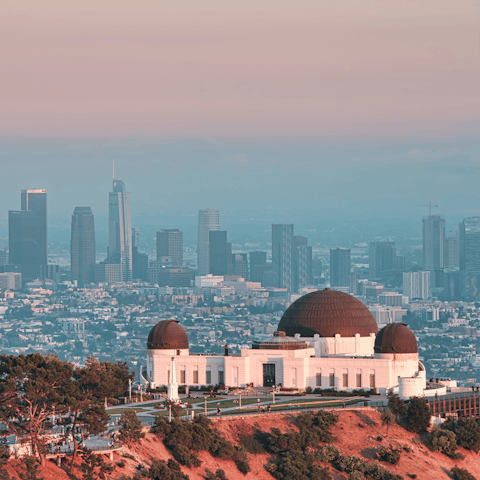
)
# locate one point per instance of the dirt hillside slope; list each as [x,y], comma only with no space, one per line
[356,432]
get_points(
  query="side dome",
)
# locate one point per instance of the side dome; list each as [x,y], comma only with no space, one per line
[396,338]
[167,335]
[328,312]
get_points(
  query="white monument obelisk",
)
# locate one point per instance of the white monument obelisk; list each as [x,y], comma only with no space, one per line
[172,392]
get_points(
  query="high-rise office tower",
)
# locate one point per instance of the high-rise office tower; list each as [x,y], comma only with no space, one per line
[135,237]
[283,257]
[218,252]
[82,246]
[230,267]
[302,262]
[381,258]
[433,239]
[208,220]
[450,252]
[340,267]
[3,258]
[120,230]
[258,260]
[240,264]
[27,233]
[469,236]
[416,285]
[170,244]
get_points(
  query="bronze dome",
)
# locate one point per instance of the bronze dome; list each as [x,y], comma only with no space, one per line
[328,312]
[167,335]
[396,338]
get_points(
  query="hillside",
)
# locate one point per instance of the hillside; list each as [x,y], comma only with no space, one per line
[356,432]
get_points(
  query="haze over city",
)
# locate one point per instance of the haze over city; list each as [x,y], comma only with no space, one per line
[267,210]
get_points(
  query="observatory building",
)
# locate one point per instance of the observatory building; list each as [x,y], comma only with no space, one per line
[325,339]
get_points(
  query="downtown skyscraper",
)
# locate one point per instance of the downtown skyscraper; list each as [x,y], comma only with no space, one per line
[82,246]
[283,257]
[469,236]
[120,230]
[433,244]
[27,234]
[170,244]
[208,220]
[340,267]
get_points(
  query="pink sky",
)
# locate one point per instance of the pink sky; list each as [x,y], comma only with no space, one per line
[233,69]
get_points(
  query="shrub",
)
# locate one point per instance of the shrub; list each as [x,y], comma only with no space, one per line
[31,469]
[251,444]
[411,475]
[349,464]
[379,438]
[461,474]
[166,471]
[4,454]
[121,464]
[377,472]
[308,390]
[356,476]
[390,455]
[418,415]
[328,453]
[444,441]
[298,465]
[388,419]
[467,432]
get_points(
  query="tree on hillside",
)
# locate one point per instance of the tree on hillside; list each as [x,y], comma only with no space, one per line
[130,427]
[4,454]
[94,466]
[105,379]
[396,405]
[388,419]
[32,390]
[418,415]
[467,432]
[31,469]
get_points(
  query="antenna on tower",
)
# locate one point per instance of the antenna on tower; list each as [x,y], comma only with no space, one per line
[113,162]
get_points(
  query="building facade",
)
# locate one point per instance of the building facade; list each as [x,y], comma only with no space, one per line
[218,252]
[27,233]
[120,230]
[82,246]
[417,285]
[340,267]
[170,244]
[283,257]
[208,220]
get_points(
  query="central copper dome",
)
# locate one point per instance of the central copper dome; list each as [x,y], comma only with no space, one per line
[167,335]
[328,312]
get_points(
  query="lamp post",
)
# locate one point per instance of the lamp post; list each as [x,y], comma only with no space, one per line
[273,393]
[240,401]
[205,406]
[129,390]
[169,413]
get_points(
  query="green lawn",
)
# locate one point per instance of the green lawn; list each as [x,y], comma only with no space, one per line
[229,403]
[285,407]
[315,400]
[115,411]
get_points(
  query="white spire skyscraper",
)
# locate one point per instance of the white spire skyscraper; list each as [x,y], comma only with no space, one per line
[208,220]
[120,229]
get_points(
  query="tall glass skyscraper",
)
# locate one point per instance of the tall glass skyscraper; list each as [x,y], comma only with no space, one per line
[218,252]
[120,229]
[27,233]
[340,267]
[283,257]
[208,220]
[469,236]
[82,246]
[433,242]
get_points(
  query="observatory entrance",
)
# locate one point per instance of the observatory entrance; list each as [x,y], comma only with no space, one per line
[268,374]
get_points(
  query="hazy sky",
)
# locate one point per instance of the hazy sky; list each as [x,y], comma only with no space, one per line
[216,68]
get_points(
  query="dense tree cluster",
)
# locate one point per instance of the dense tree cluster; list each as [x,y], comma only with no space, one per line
[130,427]
[36,390]
[467,432]
[185,438]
